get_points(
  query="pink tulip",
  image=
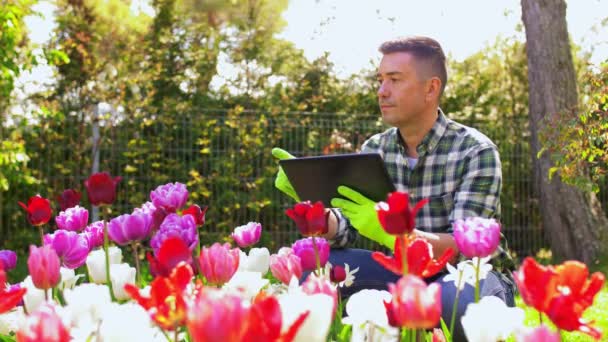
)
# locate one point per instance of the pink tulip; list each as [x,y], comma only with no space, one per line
[43,325]
[74,219]
[248,234]
[128,228]
[71,247]
[218,263]
[285,266]
[540,333]
[315,284]
[414,304]
[476,236]
[169,197]
[43,264]
[216,315]
[304,249]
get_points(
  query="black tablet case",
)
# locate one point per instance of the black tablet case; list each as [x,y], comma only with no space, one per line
[317,178]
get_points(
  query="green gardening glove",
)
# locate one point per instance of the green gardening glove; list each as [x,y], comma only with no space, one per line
[361,212]
[281,182]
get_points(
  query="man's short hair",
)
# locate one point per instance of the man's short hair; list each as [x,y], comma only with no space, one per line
[424,49]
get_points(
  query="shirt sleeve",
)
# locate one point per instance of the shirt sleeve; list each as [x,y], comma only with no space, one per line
[479,191]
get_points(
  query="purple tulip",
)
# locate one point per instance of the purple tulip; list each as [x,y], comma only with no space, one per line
[74,219]
[303,248]
[8,259]
[170,197]
[248,234]
[71,247]
[183,227]
[157,214]
[94,234]
[128,228]
[476,236]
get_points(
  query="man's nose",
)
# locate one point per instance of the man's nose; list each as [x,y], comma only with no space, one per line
[383,90]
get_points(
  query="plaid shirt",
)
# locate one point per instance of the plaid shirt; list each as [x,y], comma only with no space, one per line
[458,170]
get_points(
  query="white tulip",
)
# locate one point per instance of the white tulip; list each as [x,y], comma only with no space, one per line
[247,283]
[34,297]
[96,263]
[367,314]
[11,321]
[86,303]
[127,322]
[121,274]
[316,325]
[491,320]
[258,260]
[68,278]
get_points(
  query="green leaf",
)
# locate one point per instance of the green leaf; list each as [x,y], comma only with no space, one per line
[446,331]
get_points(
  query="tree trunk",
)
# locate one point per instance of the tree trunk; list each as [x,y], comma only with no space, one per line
[573,221]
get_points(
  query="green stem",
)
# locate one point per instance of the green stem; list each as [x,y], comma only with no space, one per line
[477,280]
[314,246]
[136,258]
[41,230]
[404,255]
[455,305]
[106,244]
[176,339]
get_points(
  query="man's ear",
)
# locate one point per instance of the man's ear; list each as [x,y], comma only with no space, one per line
[433,89]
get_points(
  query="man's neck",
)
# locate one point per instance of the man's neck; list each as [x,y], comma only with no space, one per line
[413,133]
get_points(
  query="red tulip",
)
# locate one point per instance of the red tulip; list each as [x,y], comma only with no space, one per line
[43,264]
[396,216]
[43,325]
[101,188]
[171,252]
[197,212]
[38,210]
[264,321]
[166,304]
[68,199]
[536,283]
[337,274]
[311,219]
[414,304]
[419,258]
[9,298]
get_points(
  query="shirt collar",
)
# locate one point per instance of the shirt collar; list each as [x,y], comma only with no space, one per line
[430,140]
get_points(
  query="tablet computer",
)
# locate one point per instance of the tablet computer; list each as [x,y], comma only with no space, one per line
[317,178]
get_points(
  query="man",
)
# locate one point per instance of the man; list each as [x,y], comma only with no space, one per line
[428,156]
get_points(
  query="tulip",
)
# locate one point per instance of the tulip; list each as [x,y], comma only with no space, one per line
[43,265]
[166,302]
[38,210]
[172,252]
[174,225]
[315,284]
[304,249]
[491,320]
[396,216]
[68,278]
[93,233]
[414,304]
[212,309]
[284,267]
[11,321]
[120,275]
[318,311]
[127,228]
[169,197]
[43,325]
[71,247]
[249,283]
[74,219]
[34,297]
[476,236]
[366,313]
[197,212]
[540,333]
[248,234]
[96,263]
[69,198]
[337,274]
[420,260]
[258,260]
[8,260]
[87,302]
[101,188]
[9,297]
[218,263]
[158,214]
[126,323]
[311,219]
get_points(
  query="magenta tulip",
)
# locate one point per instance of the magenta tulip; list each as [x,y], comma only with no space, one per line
[8,259]
[218,263]
[182,227]
[43,265]
[248,234]
[304,249]
[71,247]
[158,214]
[170,197]
[74,219]
[94,234]
[127,228]
[476,236]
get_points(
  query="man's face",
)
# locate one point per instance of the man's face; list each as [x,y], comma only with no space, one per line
[401,93]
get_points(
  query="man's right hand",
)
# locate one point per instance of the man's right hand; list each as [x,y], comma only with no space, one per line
[281,182]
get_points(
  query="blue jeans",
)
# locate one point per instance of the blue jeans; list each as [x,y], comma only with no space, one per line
[372,275]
